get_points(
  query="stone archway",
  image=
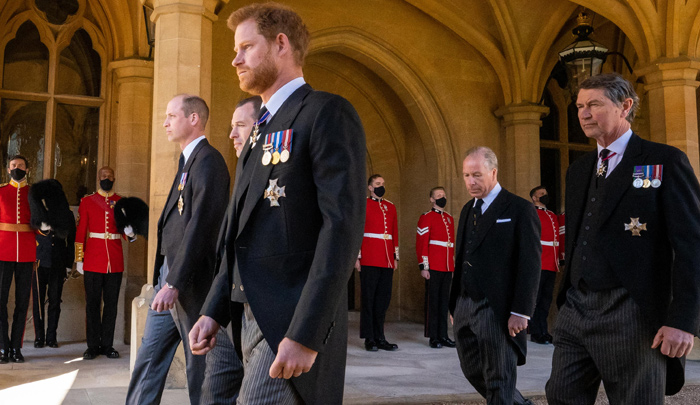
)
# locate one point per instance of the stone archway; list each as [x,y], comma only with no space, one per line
[407,139]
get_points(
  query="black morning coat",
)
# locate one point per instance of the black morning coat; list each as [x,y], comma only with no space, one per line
[295,259]
[506,258]
[661,267]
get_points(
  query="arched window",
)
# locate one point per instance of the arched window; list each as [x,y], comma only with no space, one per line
[50,104]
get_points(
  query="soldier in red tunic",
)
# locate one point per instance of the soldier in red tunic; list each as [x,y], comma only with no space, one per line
[539,332]
[378,259]
[435,249]
[98,252]
[17,256]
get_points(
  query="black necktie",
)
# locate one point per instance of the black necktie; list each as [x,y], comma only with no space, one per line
[476,211]
[603,166]
[181,163]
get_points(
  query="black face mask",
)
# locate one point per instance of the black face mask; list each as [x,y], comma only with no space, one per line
[544,199]
[379,191]
[441,202]
[17,174]
[106,184]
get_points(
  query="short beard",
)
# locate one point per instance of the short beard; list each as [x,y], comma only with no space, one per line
[263,76]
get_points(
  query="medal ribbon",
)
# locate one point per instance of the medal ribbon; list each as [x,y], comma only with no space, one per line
[278,141]
[268,140]
[658,171]
[647,172]
[287,142]
[638,172]
[262,119]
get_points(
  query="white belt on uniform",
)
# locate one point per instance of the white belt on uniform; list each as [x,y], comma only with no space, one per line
[105,235]
[378,236]
[546,243]
[440,243]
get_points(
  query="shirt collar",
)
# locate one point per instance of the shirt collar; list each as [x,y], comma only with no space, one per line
[190,147]
[490,197]
[619,145]
[275,102]
[375,199]
[437,210]
[105,193]
[19,184]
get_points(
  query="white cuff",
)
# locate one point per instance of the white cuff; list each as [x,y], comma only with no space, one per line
[520,315]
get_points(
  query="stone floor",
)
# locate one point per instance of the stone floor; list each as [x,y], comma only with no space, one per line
[415,374]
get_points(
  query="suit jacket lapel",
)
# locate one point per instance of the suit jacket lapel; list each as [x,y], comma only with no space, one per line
[488,218]
[620,180]
[259,178]
[172,197]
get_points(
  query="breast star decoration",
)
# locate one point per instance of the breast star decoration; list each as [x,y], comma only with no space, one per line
[273,193]
[635,227]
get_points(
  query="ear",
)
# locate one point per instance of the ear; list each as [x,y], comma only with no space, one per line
[194,119]
[282,44]
[626,107]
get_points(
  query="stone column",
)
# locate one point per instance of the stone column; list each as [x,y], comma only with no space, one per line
[133,98]
[520,165]
[182,65]
[670,86]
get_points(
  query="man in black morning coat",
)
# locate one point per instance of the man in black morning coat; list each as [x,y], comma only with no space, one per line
[497,271]
[185,266]
[630,298]
[294,224]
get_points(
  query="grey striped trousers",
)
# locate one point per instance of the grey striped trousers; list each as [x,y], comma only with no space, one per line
[258,388]
[488,359]
[602,335]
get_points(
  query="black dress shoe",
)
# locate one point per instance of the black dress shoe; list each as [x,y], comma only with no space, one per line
[436,343]
[539,339]
[111,353]
[4,358]
[16,356]
[39,343]
[371,345]
[52,343]
[384,345]
[549,338]
[447,342]
[90,353]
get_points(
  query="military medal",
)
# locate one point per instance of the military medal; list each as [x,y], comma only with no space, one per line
[286,145]
[180,205]
[603,165]
[657,174]
[638,174]
[277,137]
[273,193]
[256,129]
[635,227]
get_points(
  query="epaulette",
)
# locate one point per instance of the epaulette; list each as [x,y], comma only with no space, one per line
[4,184]
[427,212]
[384,199]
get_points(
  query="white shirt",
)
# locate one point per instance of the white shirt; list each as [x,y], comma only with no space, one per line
[190,147]
[490,197]
[618,147]
[275,102]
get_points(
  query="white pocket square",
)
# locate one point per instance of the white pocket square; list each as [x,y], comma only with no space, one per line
[500,221]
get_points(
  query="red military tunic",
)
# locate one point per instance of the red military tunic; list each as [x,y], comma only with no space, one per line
[380,244]
[17,240]
[97,242]
[435,241]
[549,239]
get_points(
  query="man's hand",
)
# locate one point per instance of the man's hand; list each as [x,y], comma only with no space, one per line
[516,324]
[425,274]
[79,267]
[674,342]
[165,299]
[396,264]
[452,320]
[357,266]
[292,359]
[203,335]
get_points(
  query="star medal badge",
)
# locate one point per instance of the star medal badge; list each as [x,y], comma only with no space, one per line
[273,193]
[601,171]
[635,227]
[256,129]
[286,145]
[638,174]
[180,204]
